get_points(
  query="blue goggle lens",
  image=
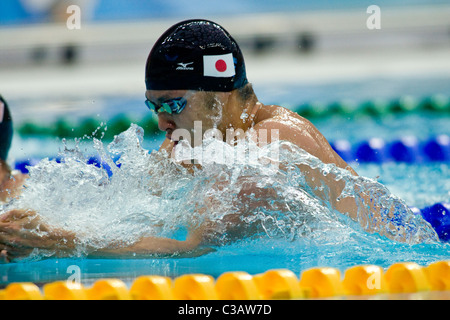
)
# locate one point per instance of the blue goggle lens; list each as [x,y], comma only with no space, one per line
[170,106]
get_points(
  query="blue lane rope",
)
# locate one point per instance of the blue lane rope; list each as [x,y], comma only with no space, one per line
[405,149]
[438,215]
[374,150]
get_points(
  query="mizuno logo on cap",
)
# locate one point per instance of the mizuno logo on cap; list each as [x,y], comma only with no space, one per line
[184,66]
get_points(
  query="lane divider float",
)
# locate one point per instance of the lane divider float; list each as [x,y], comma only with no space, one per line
[369,281]
[375,107]
[64,128]
[406,150]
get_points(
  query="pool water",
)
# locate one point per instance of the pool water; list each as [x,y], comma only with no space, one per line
[256,256]
[337,241]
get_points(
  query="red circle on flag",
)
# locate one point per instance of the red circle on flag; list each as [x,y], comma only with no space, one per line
[221,65]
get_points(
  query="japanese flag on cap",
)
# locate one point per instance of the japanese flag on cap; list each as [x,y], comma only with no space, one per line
[220,66]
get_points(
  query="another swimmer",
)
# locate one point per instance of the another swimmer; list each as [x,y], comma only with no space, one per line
[10,182]
[196,72]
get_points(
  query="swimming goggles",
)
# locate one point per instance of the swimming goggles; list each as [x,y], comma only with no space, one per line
[170,106]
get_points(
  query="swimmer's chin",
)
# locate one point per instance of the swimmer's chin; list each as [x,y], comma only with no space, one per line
[175,142]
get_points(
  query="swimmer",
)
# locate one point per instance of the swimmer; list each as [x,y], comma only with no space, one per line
[195,72]
[10,181]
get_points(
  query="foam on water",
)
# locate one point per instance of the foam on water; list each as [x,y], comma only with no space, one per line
[151,194]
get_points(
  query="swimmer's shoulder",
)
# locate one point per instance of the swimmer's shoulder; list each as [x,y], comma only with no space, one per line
[283,119]
[298,130]
[288,125]
[277,113]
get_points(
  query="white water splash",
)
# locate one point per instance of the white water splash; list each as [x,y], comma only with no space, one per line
[151,194]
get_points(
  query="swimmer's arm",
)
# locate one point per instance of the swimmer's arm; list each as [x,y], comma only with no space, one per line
[305,135]
[148,246]
[22,231]
[312,141]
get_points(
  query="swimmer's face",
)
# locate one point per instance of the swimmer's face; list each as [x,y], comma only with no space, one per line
[201,106]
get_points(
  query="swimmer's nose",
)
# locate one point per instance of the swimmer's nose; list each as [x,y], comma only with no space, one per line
[165,123]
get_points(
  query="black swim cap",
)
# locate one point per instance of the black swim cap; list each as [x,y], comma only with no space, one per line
[195,55]
[6,129]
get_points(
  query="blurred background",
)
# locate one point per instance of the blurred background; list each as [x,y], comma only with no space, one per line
[62,81]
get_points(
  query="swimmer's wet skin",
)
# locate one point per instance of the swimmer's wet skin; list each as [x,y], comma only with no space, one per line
[196,72]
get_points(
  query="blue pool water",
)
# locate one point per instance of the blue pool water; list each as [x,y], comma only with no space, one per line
[252,256]
[417,184]
[340,243]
